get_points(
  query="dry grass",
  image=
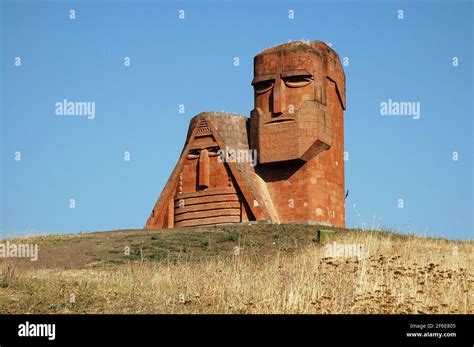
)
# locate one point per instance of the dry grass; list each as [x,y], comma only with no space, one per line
[401,275]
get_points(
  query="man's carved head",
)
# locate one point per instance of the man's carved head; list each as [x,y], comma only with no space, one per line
[290,120]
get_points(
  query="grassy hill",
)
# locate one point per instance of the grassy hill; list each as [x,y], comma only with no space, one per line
[257,268]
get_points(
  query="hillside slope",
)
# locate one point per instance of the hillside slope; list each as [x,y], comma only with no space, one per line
[240,269]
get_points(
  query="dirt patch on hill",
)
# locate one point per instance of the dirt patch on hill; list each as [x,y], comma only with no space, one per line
[79,251]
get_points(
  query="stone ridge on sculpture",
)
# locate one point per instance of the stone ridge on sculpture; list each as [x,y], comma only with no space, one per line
[296,130]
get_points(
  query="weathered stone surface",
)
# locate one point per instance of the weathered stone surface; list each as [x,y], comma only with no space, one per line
[296,132]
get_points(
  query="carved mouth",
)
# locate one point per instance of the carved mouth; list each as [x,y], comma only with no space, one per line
[279,121]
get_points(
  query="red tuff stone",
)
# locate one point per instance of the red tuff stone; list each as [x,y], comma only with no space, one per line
[296,130]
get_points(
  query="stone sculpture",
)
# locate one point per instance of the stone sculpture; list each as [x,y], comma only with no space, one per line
[283,165]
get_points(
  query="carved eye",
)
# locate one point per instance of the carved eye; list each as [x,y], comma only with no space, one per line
[298,81]
[214,151]
[194,154]
[263,87]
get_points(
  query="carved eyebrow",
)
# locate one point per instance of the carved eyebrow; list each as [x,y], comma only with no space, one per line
[261,78]
[290,73]
[205,146]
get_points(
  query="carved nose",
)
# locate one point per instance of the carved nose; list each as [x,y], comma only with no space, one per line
[203,169]
[278,97]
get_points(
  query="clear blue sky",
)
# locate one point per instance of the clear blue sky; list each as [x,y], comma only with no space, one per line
[191,62]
